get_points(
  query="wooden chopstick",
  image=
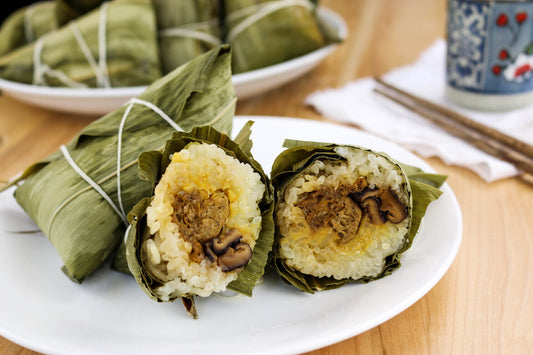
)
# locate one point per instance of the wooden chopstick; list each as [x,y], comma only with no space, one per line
[518,145]
[516,153]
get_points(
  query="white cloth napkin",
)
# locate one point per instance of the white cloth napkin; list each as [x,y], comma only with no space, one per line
[357,103]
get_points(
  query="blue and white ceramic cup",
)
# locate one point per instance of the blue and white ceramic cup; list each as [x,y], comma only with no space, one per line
[490,53]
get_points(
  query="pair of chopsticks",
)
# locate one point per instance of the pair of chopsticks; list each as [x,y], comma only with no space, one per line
[485,138]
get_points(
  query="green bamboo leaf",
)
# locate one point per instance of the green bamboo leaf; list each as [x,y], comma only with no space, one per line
[243,138]
[150,166]
[435,180]
[40,19]
[186,29]
[261,38]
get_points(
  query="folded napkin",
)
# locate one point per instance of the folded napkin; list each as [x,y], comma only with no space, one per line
[357,103]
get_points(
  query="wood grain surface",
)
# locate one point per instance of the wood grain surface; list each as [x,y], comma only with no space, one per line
[484,303]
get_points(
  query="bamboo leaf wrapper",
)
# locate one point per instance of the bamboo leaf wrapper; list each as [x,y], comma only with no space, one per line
[266,32]
[186,29]
[80,223]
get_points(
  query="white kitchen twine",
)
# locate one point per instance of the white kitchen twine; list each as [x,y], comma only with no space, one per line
[189,33]
[259,11]
[130,104]
[39,69]
[91,182]
[28,26]
[126,238]
[99,69]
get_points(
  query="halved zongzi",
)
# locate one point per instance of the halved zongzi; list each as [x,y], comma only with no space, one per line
[344,213]
[80,195]
[112,46]
[26,25]
[208,225]
[186,29]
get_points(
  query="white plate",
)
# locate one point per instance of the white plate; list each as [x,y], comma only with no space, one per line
[109,314]
[103,101]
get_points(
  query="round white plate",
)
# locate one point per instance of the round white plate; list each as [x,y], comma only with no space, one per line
[103,101]
[42,309]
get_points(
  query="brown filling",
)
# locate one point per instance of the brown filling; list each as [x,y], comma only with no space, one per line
[332,208]
[200,218]
[342,208]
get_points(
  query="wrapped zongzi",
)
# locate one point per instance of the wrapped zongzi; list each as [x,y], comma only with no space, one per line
[112,46]
[79,196]
[26,25]
[208,225]
[344,213]
[186,29]
[267,32]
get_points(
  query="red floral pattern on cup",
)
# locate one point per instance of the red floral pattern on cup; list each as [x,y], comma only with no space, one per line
[503,55]
[502,20]
[522,70]
[515,67]
[500,29]
[521,17]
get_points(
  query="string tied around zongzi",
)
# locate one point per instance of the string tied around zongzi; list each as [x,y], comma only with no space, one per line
[91,182]
[257,12]
[190,33]
[28,26]
[40,69]
[197,30]
[129,107]
[99,68]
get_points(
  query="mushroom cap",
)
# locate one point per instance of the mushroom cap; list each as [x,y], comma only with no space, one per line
[395,210]
[371,206]
[225,240]
[235,258]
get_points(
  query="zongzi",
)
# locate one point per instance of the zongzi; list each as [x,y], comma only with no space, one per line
[186,29]
[268,32]
[112,46]
[344,213]
[208,225]
[26,25]
[80,195]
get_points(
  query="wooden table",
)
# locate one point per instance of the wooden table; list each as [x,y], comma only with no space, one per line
[484,304]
